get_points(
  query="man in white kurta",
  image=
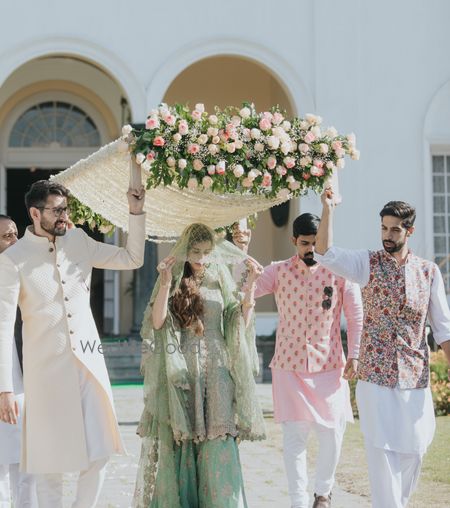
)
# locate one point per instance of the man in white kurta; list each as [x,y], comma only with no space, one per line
[400,290]
[69,422]
[21,487]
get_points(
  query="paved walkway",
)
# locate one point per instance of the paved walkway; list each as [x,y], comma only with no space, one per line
[262,462]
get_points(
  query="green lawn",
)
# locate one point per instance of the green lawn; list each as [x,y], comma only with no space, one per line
[434,486]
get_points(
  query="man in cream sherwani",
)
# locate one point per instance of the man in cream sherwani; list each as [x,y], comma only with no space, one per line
[21,487]
[69,423]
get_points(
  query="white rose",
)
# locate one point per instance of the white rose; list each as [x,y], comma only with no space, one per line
[146,165]
[331,132]
[316,131]
[200,107]
[140,158]
[245,112]
[304,125]
[211,169]
[202,139]
[290,179]
[207,181]
[220,167]
[239,144]
[259,147]
[294,185]
[126,129]
[303,148]
[176,137]
[235,120]
[105,229]
[252,174]
[273,142]
[213,119]
[330,165]
[231,147]
[171,162]
[192,183]
[182,163]
[238,171]
[255,133]
[340,163]
[286,147]
[323,148]
[215,139]
[212,131]
[213,149]
[286,126]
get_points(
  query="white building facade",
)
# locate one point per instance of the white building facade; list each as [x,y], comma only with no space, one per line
[72,73]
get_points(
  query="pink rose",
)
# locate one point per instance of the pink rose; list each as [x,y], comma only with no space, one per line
[238,171]
[246,182]
[264,124]
[198,164]
[309,137]
[267,180]
[316,171]
[289,162]
[336,145]
[193,148]
[192,183]
[158,141]
[303,147]
[294,185]
[196,115]
[306,176]
[271,162]
[281,170]
[277,118]
[318,163]
[340,152]
[183,127]
[152,123]
[182,163]
[151,155]
[211,169]
[220,167]
[170,119]
[207,181]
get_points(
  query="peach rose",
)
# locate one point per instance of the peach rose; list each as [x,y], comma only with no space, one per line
[192,183]
[159,141]
[207,182]
[197,164]
[193,148]
[152,123]
[271,162]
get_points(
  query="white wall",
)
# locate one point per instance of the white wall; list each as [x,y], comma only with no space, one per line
[369,66]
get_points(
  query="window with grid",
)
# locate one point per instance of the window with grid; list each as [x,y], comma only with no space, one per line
[441,215]
[54,124]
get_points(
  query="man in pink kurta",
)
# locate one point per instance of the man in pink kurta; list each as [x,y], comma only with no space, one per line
[309,390]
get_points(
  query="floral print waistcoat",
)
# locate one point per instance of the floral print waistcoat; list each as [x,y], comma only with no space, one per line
[394,350]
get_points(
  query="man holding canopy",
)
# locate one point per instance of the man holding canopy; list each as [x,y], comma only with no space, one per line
[400,291]
[69,422]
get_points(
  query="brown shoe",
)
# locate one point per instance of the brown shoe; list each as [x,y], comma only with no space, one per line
[322,501]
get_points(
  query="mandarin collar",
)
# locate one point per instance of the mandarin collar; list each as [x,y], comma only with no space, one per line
[30,236]
[301,265]
[391,259]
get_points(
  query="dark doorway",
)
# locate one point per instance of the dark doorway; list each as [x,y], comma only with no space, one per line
[18,181]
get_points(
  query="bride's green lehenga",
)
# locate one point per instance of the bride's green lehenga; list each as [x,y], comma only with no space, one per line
[199,395]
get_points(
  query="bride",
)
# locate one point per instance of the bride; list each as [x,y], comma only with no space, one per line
[198,365]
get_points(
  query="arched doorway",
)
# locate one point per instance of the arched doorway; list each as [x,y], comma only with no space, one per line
[227,80]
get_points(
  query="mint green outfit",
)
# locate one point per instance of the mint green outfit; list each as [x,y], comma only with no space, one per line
[200,396]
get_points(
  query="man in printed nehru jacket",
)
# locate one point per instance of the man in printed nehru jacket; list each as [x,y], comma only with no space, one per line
[309,366]
[22,486]
[399,291]
[69,422]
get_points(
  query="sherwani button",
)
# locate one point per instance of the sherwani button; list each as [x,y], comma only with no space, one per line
[63,282]
[69,315]
[51,249]
[74,348]
[71,332]
[66,299]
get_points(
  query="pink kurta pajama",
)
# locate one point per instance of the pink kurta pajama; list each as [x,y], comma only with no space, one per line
[308,389]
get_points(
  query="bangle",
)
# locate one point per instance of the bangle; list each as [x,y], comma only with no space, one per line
[248,304]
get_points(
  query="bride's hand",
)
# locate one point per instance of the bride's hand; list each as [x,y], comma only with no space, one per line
[165,270]
[254,269]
